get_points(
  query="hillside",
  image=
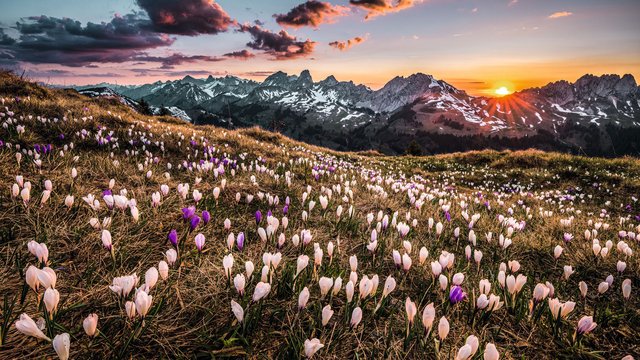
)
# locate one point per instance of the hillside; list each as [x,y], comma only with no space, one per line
[283,248]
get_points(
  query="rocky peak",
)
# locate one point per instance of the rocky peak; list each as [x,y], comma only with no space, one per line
[590,86]
[304,80]
[329,81]
[278,78]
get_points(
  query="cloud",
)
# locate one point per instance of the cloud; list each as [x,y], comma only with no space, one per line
[346,45]
[66,42]
[560,14]
[258,73]
[383,7]
[513,2]
[242,55]
[168,62]
[6,39]
[281,45]
[311,13]
[186,17]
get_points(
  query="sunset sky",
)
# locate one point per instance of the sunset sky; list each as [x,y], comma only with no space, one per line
[478,46]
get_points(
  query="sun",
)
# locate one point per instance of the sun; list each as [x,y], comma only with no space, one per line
[502,91]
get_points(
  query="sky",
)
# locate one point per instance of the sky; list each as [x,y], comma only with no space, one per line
[476,45]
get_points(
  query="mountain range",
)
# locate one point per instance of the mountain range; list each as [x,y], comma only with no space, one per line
[596,115]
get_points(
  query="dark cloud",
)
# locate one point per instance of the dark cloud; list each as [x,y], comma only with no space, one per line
[66,42]
[242,55]
[381,7]
[311,13]
[281,45]
[168,62]
[6,39]
[346,45]
[186,17]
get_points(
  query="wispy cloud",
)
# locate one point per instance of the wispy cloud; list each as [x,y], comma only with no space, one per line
[346,45]
[382,7]
[560,14]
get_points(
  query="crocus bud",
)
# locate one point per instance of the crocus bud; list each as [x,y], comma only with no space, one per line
[411,310]
[249,267]
[27,326]
[303,298]
[143,303]
[337,286]
[172,256]
[130,309]
[603,287]
[163,269]
[325,284]
[428,316]
[586,325]
[239,282]
[583,288]
[68,201]
[350,289]
[464,352]
[151,277]
[327,313]
[62,344]
[262,289]
[227,264]
[406,262]
[237,310]
[356,316]
[389,286]
[424,253]
[90,324]
[490,352]
[51,300]
[106,239]
[311,347]
[626,288]
[443,328]
[557,251]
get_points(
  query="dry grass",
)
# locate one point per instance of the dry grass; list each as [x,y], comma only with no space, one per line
[191,316]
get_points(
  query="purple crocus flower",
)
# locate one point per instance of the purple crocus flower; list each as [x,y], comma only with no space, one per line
[240,241]
[285,210]
[193,223]
[188,212]
[206,217]
[269,214]
[173,237]
[107,192]
[456,294]
[448,216]
[258,217]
